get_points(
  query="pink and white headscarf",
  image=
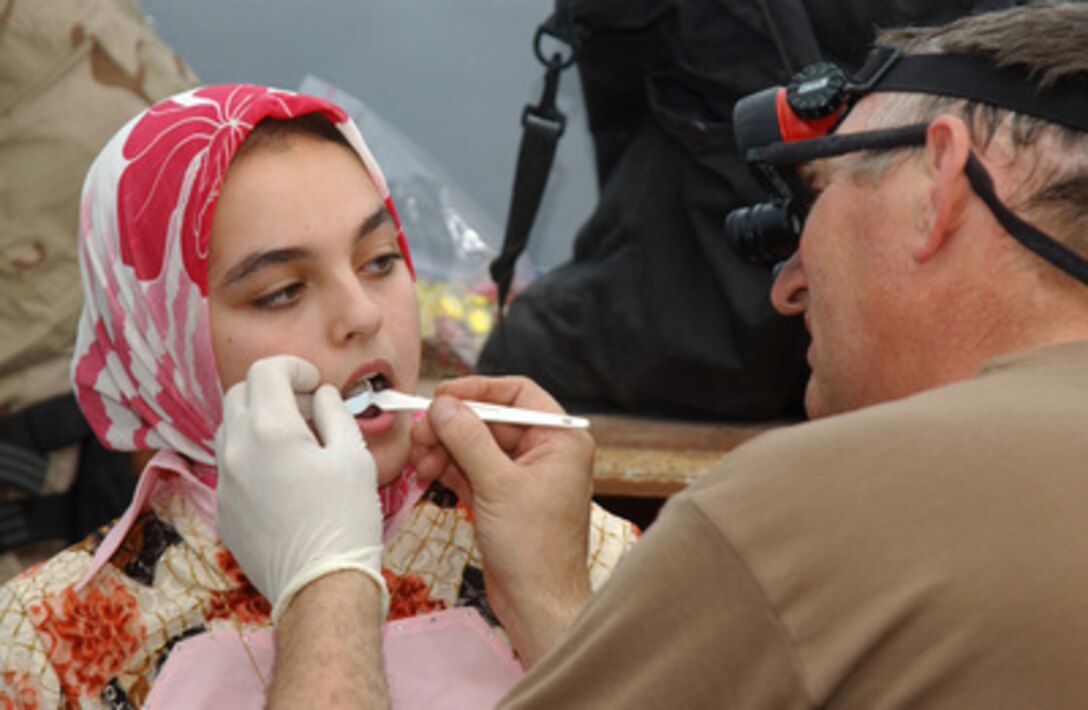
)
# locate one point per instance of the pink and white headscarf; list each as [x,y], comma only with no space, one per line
[144,371]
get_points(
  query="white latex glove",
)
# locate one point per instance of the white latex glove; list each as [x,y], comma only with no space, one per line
[292,506]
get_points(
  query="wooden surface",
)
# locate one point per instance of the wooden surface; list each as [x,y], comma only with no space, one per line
[654,458]
[645,457]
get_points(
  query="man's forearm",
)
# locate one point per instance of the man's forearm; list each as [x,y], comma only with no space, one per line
[542,619]
[328,646]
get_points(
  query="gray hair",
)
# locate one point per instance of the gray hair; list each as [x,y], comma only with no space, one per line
[1053,159]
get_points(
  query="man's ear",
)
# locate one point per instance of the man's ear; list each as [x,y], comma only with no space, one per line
[947,192]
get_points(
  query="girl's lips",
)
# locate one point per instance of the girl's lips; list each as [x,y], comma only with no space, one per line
[376,426]
[368,371]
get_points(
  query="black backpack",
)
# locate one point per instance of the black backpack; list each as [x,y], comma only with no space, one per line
[653,314]
[101,490]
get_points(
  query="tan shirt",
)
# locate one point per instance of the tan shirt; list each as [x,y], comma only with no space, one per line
[71,73]
[929,552]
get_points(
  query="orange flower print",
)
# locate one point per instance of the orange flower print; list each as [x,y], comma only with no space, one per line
[89,637]
[31,571]
[18,692]
[466,510]
[242,603]
[408,596]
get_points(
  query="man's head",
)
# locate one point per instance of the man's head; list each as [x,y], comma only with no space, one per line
[905,275]
[1049,160]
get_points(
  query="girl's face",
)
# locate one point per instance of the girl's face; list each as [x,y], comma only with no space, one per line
[304,261]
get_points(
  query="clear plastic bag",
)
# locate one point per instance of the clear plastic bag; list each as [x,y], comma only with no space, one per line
[451,237]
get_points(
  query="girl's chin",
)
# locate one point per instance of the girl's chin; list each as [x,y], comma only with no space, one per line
[385,477]
[386,436]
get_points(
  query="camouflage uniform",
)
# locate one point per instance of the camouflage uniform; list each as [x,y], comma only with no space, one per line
[71,73]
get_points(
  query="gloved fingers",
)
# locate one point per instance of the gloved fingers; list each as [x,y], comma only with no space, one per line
[235,402]
[305,404]
[227,447]
[334,424]
[274,382]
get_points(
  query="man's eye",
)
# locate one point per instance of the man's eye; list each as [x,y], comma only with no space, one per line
[383,264]
[280,297]
[812,184]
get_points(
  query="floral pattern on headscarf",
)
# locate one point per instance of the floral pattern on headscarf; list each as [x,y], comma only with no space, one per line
[144,370]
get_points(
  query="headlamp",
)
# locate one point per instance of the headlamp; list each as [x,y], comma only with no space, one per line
[809,108]
[780,128]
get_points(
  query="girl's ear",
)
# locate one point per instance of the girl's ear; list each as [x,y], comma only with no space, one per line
[948,191]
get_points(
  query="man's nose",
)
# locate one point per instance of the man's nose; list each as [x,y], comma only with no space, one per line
[787,291]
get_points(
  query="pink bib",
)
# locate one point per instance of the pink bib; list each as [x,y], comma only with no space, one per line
[450,659]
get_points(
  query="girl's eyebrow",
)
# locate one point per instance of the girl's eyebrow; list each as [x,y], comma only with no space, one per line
[256,261]
[381,216]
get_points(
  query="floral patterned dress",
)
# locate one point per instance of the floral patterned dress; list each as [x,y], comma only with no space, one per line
[94,625]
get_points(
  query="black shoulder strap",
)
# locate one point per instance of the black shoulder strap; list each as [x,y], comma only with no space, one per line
[792,33]
[31,520]
[102,486]
[25,440]
[28,435]
[542,126]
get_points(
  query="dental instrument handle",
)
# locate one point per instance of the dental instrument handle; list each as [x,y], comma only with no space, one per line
[516,415]
[391,401]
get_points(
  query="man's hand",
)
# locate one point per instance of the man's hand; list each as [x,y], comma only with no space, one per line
[529,490]
[294,504]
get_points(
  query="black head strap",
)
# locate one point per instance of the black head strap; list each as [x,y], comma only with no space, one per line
[977,79]
[808,149]
[1045,246]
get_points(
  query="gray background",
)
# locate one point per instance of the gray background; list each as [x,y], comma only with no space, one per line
[453,75]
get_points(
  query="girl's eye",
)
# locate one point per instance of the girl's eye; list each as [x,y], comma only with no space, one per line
[383,264]
[280,298]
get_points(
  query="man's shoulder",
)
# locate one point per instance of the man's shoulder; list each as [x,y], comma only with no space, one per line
[877,536]
[951,428]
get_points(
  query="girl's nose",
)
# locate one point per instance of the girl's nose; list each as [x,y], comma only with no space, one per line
[354,311]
